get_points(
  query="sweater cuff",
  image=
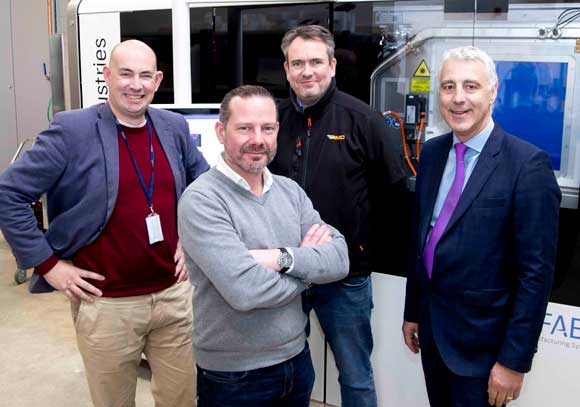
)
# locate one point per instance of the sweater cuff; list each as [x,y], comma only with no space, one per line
[46,265]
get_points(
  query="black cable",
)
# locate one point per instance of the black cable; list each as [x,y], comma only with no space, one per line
[568,10]
[568,20]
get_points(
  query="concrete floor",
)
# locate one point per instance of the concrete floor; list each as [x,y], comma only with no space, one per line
[40,364]
[39,361]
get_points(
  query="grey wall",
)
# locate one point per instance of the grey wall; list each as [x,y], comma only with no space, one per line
[8,138]
[24,91]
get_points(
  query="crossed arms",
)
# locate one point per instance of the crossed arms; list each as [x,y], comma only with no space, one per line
[246,277]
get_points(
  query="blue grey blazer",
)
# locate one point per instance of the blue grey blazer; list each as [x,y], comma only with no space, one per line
[76,163]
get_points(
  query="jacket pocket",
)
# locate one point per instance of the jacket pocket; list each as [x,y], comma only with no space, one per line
[488,297]
[495,202]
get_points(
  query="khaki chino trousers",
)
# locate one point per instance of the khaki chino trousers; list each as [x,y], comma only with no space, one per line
[113,332]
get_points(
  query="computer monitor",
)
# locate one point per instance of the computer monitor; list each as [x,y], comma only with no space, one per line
[201,120]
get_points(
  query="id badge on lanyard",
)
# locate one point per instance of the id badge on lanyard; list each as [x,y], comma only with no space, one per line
[152,221]
[154,231]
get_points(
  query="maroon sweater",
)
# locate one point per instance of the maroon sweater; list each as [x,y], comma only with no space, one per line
[122,252]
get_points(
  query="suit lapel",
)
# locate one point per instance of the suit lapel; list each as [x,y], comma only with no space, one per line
[485,166]
[167,142]
[108,134]
[433,173]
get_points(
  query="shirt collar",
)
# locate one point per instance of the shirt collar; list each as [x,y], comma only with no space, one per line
[299,104]
[132,126]
[225,169]
[478,141]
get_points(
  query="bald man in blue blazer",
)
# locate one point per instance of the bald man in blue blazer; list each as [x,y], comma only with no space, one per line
[484,246]
[108,171]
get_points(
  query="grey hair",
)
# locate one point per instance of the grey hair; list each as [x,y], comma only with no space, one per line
[471,53]
[309,32]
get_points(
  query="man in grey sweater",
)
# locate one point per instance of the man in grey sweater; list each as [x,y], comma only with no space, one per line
[253,243]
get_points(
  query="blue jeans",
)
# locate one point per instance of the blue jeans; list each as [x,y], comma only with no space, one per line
[344,312]
[287,384]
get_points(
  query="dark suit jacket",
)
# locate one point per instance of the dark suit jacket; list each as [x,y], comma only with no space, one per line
[76,163]
[494,264]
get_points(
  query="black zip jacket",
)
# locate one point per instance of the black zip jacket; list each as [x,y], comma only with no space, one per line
[338,150]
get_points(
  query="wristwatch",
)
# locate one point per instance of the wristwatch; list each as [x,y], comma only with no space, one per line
[285,260]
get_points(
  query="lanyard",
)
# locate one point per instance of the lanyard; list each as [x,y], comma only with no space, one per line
[148,192]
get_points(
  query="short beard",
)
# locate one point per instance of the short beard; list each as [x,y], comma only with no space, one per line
[256,168]
[253,168]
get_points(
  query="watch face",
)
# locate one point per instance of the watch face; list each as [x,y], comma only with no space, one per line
[285,260]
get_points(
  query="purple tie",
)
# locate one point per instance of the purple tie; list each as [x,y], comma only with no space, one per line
[447,209]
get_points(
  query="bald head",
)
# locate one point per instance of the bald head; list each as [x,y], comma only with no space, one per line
[133,79]
[131,47]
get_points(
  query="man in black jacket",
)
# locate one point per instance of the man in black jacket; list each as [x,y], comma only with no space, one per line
[337,148]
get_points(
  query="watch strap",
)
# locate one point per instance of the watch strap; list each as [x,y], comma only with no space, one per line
[284,252]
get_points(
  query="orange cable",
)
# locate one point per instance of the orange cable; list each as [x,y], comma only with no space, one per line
[49,8]
[405,150]
[418,141]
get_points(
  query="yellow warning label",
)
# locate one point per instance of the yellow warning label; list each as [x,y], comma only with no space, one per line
[422,70]
[420,85]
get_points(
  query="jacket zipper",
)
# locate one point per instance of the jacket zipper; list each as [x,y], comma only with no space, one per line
[305,157]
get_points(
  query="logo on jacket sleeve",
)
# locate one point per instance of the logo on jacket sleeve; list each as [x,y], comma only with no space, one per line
[336,136]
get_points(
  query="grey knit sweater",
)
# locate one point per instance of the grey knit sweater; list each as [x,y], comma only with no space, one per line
[248,316]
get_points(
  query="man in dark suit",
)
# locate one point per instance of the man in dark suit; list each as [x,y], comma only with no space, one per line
[485,246]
